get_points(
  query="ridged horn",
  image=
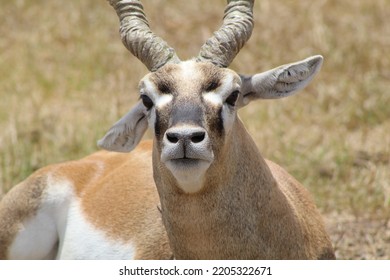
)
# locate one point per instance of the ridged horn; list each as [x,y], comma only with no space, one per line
[137,37]
[236,29]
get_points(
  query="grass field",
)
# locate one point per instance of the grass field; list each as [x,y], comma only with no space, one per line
[66,77]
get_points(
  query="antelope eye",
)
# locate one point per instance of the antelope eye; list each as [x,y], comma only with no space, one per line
[232,98]
[148,103]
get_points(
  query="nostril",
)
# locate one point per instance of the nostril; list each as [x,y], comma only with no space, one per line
[185,136]
[198,137]
[172,137]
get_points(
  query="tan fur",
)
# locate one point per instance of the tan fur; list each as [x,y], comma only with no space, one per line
[125,204]
[117,194]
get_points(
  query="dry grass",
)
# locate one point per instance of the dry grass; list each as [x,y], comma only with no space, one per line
[65,78]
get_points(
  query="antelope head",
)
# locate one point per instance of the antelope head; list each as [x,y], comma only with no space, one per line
[191,106]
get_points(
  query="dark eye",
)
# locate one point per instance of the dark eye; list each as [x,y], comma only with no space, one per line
[148,103]
[231,100]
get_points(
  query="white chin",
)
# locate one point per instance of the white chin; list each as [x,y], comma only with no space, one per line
[189,173]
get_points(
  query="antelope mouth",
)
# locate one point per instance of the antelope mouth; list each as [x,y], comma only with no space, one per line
[189,172]
[187,163]
[188,167]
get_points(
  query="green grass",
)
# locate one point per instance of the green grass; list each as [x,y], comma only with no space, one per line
[65,78]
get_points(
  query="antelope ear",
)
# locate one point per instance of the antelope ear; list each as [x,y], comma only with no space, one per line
[125,134]
[280,82]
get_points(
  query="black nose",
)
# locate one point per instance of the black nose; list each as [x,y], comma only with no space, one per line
[185,135]
[198,137]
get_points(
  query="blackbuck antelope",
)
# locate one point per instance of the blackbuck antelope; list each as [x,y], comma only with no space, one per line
[216,197]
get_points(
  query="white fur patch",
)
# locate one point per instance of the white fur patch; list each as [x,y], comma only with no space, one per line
[32,242]
[82,240]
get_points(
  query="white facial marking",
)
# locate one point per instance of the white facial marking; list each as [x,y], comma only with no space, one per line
[213,98]
[217,96]
[163,100]
[188,70]
[160,100]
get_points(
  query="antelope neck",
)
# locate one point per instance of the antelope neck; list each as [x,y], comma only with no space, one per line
[209,224]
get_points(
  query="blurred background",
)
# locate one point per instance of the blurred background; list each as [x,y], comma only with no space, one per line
[65,78]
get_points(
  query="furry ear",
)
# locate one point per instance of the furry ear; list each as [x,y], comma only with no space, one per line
[280,82]
[125,135]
